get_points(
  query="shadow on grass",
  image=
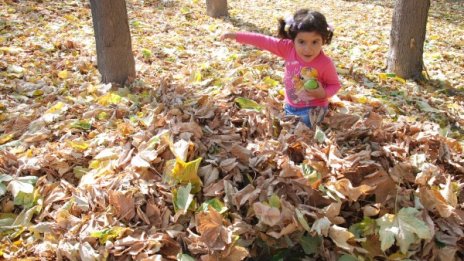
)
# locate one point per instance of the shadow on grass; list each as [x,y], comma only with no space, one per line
[451,11]
[247,26]
[429,88]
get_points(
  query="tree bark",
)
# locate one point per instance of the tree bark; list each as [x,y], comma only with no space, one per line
[115,59]
[216,8]
[407,38]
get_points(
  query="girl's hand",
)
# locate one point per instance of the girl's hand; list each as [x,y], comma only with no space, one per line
[307,95]
[318,93]
[231,36]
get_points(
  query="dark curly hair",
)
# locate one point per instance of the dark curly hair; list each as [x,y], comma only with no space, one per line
[305,21]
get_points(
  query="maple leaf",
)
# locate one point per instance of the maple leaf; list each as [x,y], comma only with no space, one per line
[404,228]
[213,232]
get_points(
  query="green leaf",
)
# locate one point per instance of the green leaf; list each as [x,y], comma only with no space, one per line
[319,135]
[6,219]
[274,201]
[182,198]
[2,189]
[214,203]
[245,103]
[146,53]
[347,258]
[312,175]
[22,189]
[185,257]
[310,244]
[108,234]
[4,177]
[364,228]
[404,227]
[302,220]
[82,124]
[425,106]
[80,171]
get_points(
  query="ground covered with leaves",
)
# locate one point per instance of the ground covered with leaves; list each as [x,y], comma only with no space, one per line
[195,159]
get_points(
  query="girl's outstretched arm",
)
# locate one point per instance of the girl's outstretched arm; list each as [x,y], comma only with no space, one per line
[274,45]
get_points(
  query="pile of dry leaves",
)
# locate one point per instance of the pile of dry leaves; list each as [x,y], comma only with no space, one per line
[196,161]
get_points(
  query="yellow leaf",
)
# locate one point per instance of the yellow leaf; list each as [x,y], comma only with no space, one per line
[94,164]
[109,98]
[453,106]
[63,74]
[58,106]
[399,79]
[79,145]
[360,99]
[5,138]
[70,18]
[38,93]
[179,171]
[12,50]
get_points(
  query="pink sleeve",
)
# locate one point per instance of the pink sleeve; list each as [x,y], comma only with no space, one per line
[280,47]
[330,80]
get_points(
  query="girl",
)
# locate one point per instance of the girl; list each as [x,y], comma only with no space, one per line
[310,76]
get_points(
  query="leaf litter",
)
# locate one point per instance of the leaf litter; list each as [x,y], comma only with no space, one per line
[196,161]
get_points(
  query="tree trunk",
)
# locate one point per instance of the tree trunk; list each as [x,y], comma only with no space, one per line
[115,59]
[216,8]
[407,38]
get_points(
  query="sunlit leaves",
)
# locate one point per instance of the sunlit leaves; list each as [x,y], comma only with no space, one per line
[22,188]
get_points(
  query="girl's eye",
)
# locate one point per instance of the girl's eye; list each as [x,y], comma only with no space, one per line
[315,42]
[301,42]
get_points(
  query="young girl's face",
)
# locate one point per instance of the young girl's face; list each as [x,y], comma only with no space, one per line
[308,45]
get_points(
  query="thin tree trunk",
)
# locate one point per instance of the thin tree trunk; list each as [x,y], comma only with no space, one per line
[216,8]
[407,38]
[114,48]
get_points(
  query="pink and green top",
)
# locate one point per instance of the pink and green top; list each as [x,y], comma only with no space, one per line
[297,70]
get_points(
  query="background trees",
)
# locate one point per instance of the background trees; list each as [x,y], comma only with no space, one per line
[407,38]
[216,8]
[114,49]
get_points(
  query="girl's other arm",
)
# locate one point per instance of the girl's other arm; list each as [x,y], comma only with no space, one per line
[331,83]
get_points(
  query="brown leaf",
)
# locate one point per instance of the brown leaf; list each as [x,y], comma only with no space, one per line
[353,193]
[249,193]
[266,214]
[374,121]
[191,127]
[341,121]
[213,233]
[123,204]
[383,184]
[432,199]
[243,154]
[403,172]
